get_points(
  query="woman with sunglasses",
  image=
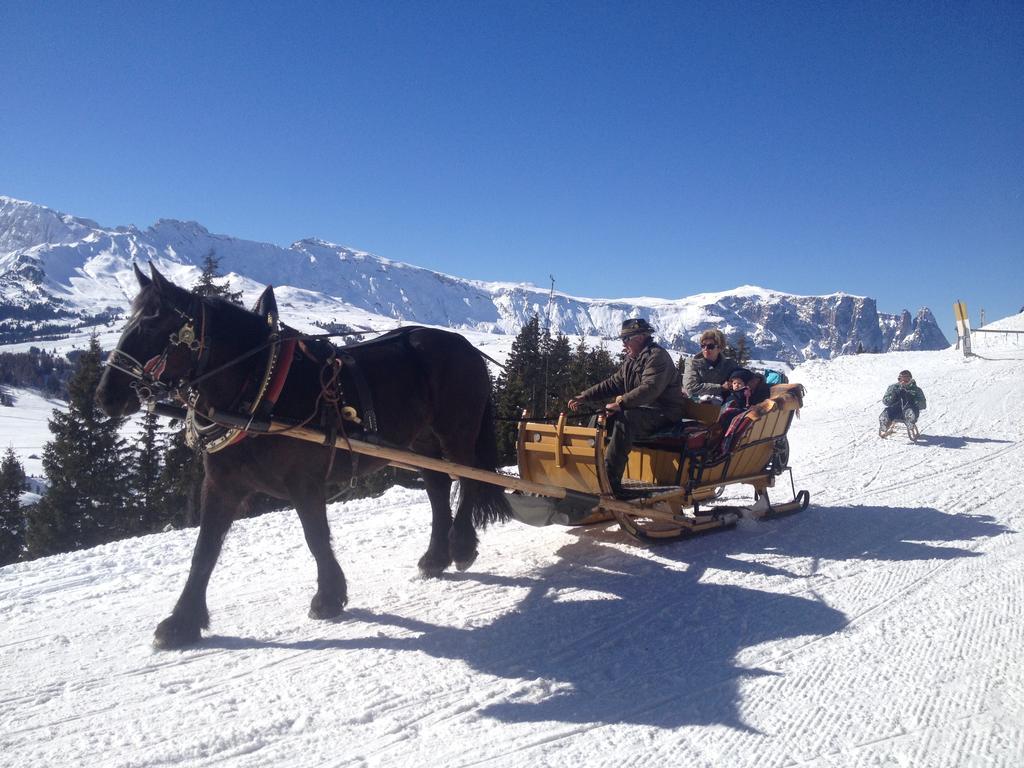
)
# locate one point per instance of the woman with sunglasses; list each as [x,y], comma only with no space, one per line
[707,372]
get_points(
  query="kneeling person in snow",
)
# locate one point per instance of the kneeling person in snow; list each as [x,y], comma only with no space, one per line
[903,401]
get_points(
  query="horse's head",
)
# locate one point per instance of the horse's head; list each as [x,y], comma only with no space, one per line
[159,346]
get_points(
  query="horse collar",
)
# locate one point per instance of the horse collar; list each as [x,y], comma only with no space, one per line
[213,437]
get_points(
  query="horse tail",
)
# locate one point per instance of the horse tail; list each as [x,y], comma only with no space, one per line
[487,501]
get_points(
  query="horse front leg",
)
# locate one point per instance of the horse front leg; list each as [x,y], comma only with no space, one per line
[332,591]
[438,555]
[190,614]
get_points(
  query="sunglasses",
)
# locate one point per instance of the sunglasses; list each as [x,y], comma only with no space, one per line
[712,345]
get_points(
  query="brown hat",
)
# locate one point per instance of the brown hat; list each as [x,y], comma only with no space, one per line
[633,327]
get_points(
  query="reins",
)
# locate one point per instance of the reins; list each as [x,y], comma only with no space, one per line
[149,387]
[149,373]
[274,339]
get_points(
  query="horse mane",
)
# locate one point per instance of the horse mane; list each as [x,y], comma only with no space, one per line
[144,295]
[388,336]
[182,296]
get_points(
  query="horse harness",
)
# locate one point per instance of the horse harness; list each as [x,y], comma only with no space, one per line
[257,397]
[205,434]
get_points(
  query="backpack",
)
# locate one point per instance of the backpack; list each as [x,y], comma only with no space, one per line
[771,376]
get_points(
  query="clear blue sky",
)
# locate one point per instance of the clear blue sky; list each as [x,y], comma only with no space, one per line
[642,148]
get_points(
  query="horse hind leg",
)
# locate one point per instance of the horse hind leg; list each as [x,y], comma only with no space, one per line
[451,541]
[332,590]
[439,552]
[190,615]
[479,503]
[462,539]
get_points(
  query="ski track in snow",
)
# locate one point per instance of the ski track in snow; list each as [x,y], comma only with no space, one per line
[882,626]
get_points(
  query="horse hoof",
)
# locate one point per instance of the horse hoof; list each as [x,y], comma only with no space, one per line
[322,609]
[462,552]
[172,633]
[464,564]
[462,548]
[432,567]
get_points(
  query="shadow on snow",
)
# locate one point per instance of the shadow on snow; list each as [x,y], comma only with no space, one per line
[954,441]
[647,641]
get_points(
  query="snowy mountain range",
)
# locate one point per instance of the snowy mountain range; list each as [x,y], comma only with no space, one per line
[59,272]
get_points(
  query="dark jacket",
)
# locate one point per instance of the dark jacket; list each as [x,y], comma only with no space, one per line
[702,378]
[755,392]
[652,378]
[911,395]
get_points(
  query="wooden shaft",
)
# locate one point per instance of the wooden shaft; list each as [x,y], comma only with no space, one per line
[408,458]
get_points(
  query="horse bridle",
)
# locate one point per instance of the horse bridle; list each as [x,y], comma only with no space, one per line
[146,376]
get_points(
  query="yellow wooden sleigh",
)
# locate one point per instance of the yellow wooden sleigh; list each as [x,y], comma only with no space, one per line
[672,481]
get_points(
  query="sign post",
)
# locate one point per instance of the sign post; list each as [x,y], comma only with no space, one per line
[963,327]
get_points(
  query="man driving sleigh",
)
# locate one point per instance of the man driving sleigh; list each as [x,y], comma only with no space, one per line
[646,396]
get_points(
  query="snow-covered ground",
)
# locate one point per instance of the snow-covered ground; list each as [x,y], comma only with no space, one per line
[24,427]
[883,626]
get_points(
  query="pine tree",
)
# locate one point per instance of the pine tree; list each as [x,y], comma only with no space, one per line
[589,366]
[12,518]
[182,481]
[149,513]
[540,375]
[601,365]
[579,369]
[557,356]
[728,350]
[519,386]
[742,352]
[206,286]
[86,466]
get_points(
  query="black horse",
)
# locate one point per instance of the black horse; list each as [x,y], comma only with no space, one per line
[427,390]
